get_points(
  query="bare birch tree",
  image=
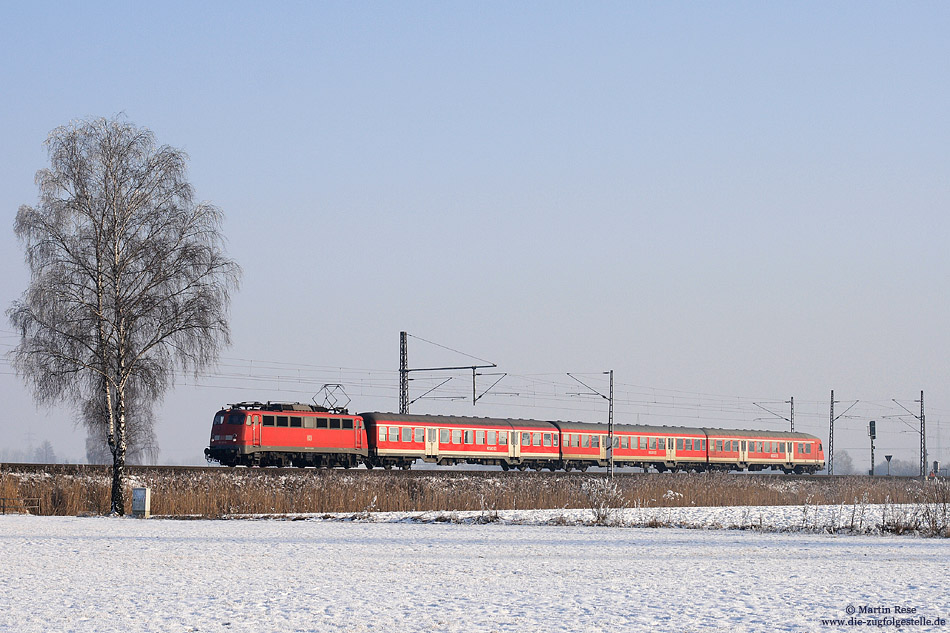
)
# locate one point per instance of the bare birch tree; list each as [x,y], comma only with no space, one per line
[129,278]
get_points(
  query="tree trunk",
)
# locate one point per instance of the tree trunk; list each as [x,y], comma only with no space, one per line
[118,457]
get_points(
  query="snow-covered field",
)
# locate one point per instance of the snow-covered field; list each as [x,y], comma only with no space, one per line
[391,573]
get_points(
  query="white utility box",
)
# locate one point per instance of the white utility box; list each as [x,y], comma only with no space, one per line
[141,502]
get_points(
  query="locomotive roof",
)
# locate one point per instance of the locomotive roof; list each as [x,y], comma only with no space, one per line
[281,406]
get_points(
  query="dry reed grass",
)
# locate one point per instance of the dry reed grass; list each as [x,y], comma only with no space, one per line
[222,492]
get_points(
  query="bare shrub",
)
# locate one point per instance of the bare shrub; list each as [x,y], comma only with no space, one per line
[605,500]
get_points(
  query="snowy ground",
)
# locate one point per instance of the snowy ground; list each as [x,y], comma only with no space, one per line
[394,574]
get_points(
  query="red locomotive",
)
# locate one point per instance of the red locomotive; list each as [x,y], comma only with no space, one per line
[284,434]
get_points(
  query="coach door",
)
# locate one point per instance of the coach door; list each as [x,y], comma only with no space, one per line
[514,444]
[358,429]
[432,442]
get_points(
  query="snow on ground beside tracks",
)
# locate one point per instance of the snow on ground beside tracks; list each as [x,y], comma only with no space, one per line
[392,573]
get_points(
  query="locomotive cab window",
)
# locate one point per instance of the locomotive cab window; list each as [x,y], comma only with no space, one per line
[219,419]
[236,418]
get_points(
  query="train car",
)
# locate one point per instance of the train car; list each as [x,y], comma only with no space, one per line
[731,449]
[660,447]
[399,440]
[286,434]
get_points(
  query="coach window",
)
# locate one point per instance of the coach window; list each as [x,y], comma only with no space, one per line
[718,446]
[623,441]
[456,436]
[503,438]
[382,434]
[268,420]
[526,439]
[547,439]
[536,439]
[679,443]
[282,420]
[469,437]
[420,435]
[808,448]
[296,422]
[585,441]
[556,440]
[394,434]
[444,435]
[652,443]
[479,437]
[662,443]
[406,434]
[492,438]
[595,441]
[616,442]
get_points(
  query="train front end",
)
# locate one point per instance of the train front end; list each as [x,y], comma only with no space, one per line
[228,443]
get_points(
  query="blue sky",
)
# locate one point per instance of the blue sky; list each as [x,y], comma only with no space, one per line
[726,201]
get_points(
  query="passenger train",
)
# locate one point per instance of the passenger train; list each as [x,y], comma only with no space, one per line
[295,434]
